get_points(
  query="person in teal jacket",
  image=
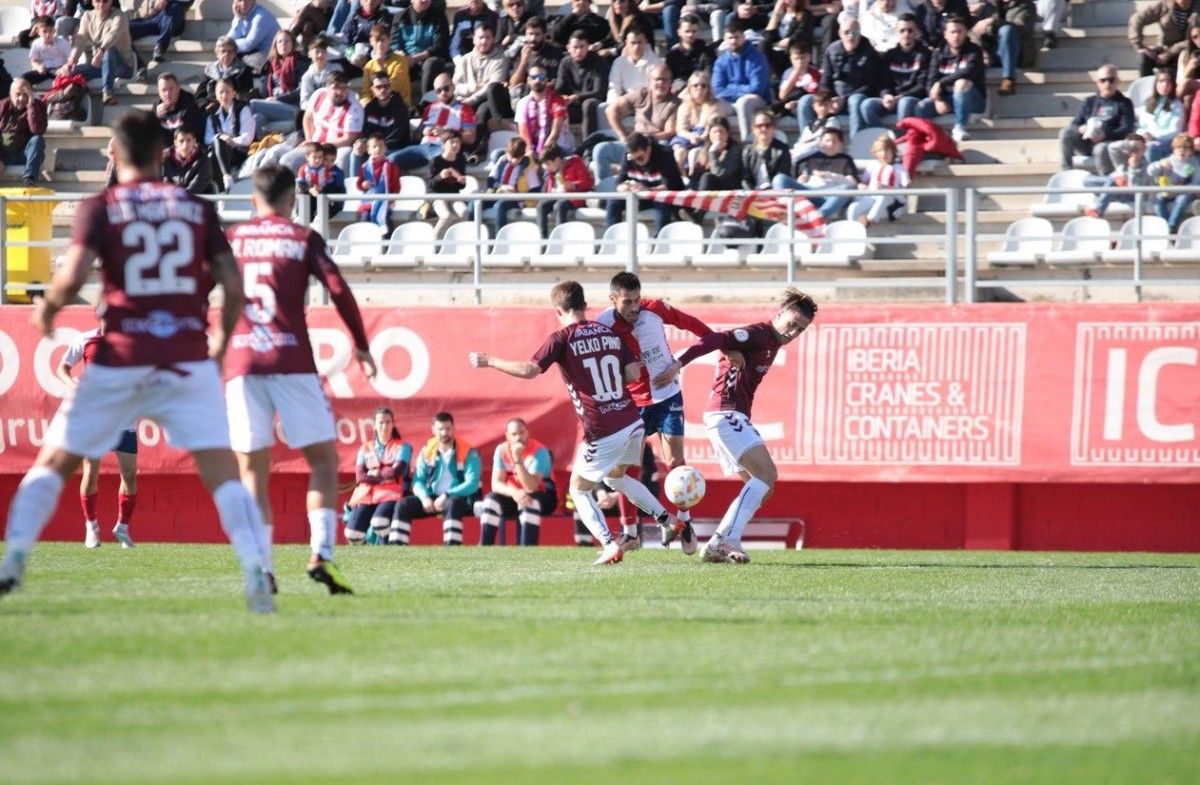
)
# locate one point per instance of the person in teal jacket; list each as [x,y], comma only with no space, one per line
[446,479]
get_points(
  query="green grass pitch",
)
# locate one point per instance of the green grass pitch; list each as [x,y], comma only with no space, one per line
[514,666]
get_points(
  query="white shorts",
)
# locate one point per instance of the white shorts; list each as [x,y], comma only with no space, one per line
[304,411]
[594,460]
[730,434]
[186,400]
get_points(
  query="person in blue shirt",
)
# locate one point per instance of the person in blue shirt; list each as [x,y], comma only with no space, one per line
[742,76]
[253,29]
[522,486]
[446,481]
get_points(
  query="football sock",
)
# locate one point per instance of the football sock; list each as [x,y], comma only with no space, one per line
[637,493]
[589,512]
[240,518]
[489,521]
[742,509]
[125,505]
[452,532]
[321,524]
[31,507]
[531,525]
[683,515]
[88,502]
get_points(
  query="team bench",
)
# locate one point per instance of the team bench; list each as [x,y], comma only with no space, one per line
[760,532]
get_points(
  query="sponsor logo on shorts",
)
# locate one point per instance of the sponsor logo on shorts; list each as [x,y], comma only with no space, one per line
[675,407]
[614,407]
[161,324]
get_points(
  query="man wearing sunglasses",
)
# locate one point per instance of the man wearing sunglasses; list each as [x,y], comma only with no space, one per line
[1105,116]
[443,114]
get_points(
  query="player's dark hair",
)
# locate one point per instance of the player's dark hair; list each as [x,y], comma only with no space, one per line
[689,19]
[320,41]
[335,77]
[385,410]
[552,153]
[735,26]
[637,141]
[167,76]
[625,282]
[579,35]
[444,417]
[794,299]
[834,131]
[138,135]
[568,296]
[535,23]
[274,184]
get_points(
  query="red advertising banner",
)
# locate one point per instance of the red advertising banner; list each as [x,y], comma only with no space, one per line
[1011,393]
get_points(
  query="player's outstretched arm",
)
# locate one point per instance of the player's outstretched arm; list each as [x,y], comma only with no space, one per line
[64,286]
[225,272]
[522,369]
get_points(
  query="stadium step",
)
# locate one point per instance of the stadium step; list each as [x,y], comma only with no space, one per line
[1101,12]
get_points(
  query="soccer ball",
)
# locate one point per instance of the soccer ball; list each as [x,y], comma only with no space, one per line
[684,487]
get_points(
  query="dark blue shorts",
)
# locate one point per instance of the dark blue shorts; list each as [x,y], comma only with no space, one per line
[128,443]
[665,417]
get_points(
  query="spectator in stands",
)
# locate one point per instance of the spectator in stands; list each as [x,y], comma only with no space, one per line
[356,33]
[310,20]
[1052,13]
[422,35]
[384,115]
[512,25]
[48,52]
[383,471]
[809,140]
[932,15]
[590,25]
[536,50]
[481,82]
[319,69]
[446,482]
[791,23]
[654,110]
[514,172]
[391,64]
[377,176]
[228,132]
[562,173]
[1129,172]
[542,115]
[698,107]
[104,32]
[956,79]
[177,108]
[161,18]
[226,66]
[22,131]
[623,15]
[447,175]
[582,82]
[253,29]
[1182,167]
[1007,31]
[446,113]
[883,172]
[319,174]
[741,76]
[185,166]
[630,71]
[850,71]
[801,78]
[905,70]
[1188,72]
[718,164]
[466,20]
[1159,120]
[45,8]
[1103,117]
[281,83]
[522,486]
[827,169]
[690,54]
[333,117]
[879,22]
[765,157]
[1173,18]
[648,166]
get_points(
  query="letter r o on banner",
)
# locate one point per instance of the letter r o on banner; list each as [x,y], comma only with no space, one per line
[418,352]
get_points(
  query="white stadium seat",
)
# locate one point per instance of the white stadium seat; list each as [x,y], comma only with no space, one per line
[405,208]
[613,245]
[458,246]
[569,244]
[1056,204]
[1156,237]
[1082,241]
[12,22]
[718,253]
[593,210]
[775,250]
[235,210]
[1026,242]
[1187,243]
[844,243]
[359,244]
[516,243]
[1140,89]
[410,243]
[676,245]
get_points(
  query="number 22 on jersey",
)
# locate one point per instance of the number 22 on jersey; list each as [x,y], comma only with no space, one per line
[157,255]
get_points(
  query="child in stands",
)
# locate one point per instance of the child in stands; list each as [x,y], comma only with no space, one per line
[884,172]
[378,176]
[1130,172]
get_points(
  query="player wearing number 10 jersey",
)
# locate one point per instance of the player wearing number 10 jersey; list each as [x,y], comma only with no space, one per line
[160,251]
[595,365]
[270,367]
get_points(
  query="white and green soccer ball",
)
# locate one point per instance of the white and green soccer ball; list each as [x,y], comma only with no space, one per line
[684,487]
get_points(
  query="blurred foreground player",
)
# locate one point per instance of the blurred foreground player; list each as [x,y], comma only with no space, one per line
[727,416]
[160,249]
[270,367]
[83,349]
[595,365]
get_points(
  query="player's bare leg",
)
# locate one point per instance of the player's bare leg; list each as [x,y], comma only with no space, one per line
[759,472]
[126,497]
[592,517]
[32,505]
[255,470]
[671,446]
[241,520]
[88,486]
[322,519]
[639,495]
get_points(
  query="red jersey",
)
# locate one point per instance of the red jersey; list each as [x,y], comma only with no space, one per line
[276,258]
[733,390]
[647,339]
[592,361]
[155,242]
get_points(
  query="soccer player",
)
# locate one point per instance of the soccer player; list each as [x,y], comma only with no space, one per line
[641,322]
[595,365]
[522,486]
[160,250]
[83,349]
[270,368]
[727,416]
